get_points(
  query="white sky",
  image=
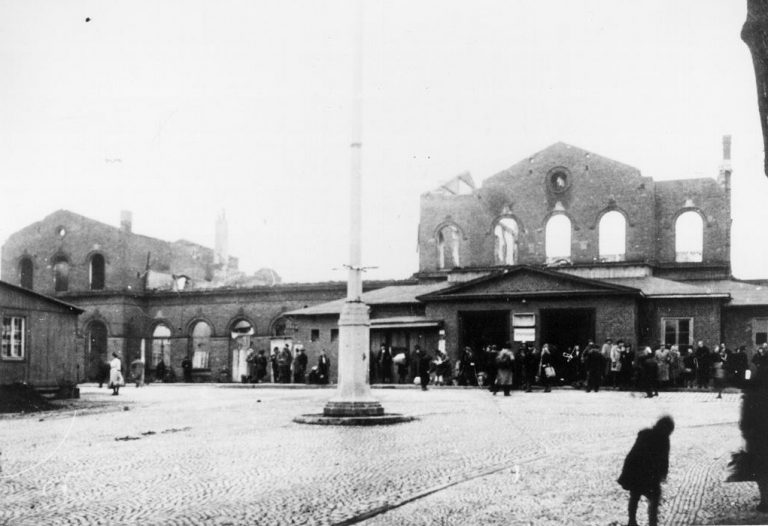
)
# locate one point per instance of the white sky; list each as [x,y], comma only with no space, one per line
[176,110]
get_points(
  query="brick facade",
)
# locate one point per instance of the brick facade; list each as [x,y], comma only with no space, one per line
[593,185]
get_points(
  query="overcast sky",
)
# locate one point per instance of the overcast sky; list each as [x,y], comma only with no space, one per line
[177,110]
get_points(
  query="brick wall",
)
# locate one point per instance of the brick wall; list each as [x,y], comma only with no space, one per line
[594,186]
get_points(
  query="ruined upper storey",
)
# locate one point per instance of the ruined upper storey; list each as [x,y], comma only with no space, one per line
[569,207]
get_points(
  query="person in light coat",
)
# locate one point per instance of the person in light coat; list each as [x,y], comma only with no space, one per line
[115,374]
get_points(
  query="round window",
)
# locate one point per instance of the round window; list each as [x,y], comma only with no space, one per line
[559,180]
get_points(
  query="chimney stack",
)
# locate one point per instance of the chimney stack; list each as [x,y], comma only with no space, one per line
[221,243]
[126,221]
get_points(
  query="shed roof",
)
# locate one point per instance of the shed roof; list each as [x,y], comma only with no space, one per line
[42,297]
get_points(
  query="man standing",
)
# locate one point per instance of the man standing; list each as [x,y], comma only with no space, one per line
[260,365]
[186,367]
[284,360]
[650,374]
[299,366]
[422,361]
[385,363]
[275,367]
[594,362]
[324,367]
[702,364]
[646,467]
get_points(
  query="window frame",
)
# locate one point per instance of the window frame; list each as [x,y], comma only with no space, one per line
[689,256]
[677,319]
[23,345]
[615,257]
[556,258]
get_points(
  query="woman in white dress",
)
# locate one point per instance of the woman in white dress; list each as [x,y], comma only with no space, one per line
[115,374]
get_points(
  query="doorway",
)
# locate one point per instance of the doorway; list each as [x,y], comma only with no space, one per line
[564,328]
[481,329]
[97,352]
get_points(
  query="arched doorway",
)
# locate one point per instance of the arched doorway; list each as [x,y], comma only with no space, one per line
[242,331]
[161,350]
[97,352]
[201,343]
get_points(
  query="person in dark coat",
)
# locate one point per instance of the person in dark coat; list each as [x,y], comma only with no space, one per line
[594,362]
[739,363]
[423,362]
[275,366]
[751,464]
[703,361]
[385,364]
[324,367]
[260,365]
[300,366]
[160,371]
[491,369]
[650,374]
[186,367]
[646,467]
[531,365]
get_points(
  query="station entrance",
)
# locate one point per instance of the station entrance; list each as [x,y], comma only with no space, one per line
[479,329]
[564,328]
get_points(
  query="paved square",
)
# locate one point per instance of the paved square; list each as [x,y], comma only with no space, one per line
[202,454]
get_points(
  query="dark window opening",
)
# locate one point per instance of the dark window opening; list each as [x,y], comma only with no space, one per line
[334,335]
[60,275]
[26,270]
[97,272]
[314,335]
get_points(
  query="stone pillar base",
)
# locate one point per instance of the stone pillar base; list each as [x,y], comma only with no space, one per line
[353,409]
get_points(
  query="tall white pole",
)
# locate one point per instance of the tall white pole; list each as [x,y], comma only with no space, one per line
[353,395]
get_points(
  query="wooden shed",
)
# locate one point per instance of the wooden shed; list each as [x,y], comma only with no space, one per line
[39,338]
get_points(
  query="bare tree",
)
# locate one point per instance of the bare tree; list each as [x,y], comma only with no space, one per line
[755,35]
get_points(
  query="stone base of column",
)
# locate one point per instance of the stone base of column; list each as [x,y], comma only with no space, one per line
[337,408]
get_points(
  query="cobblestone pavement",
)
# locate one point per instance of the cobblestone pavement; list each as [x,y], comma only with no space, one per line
[202,454]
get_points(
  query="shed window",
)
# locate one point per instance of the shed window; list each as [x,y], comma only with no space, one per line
[26,273]
[314,335]
[448,247]
[97,272]
[334,335]
[689,237]
[558,238]
[14,341]
[505,236]
[60,274]
[612,233]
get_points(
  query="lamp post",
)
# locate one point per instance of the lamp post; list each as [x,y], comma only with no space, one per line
[353,395]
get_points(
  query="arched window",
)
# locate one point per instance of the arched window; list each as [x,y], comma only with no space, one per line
[505,245]
[26,273]
[60,274]
[96,271]
[161,345]
[689,237]
[448,247]
[612,233]
[201,344]
[558,238]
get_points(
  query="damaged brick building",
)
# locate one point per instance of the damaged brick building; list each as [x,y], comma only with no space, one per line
[147,298]
[566,246]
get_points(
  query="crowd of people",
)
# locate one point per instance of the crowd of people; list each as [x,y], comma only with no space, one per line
[614,365]
[284,366]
